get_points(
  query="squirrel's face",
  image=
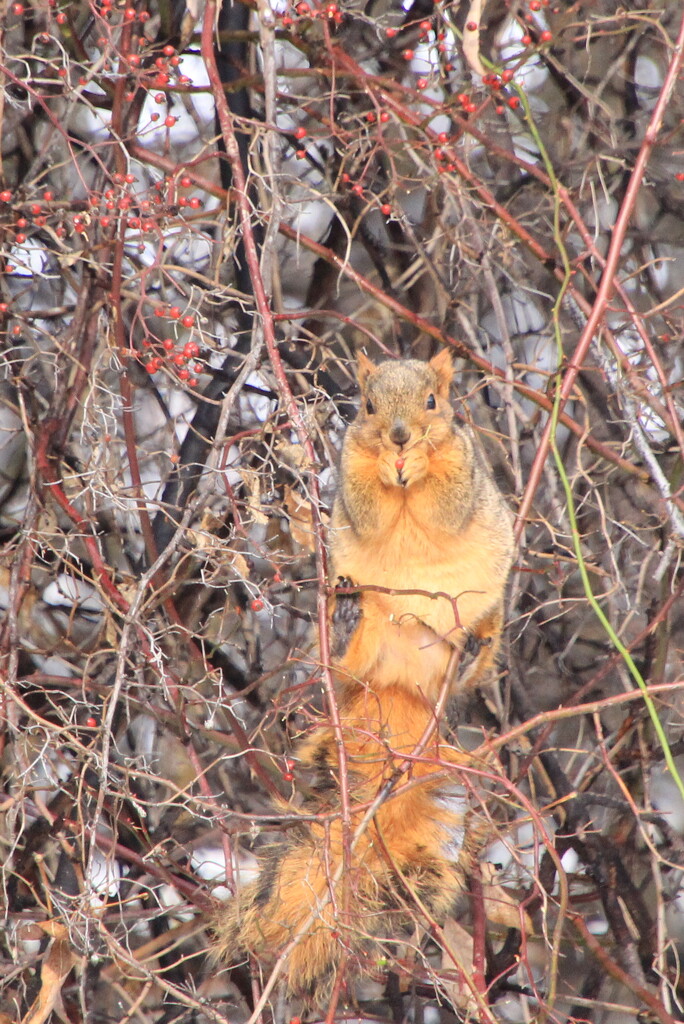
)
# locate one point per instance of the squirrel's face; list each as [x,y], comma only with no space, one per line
[405,403]
[405,414]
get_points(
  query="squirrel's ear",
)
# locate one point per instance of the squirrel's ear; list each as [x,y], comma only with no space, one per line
[365,369]
[444,368]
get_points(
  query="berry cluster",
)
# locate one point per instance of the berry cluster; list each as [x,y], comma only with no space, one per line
[169,352]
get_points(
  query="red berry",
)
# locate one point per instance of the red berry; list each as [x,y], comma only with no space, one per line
[20,238]
[288,776]
[61,18]
[195,203]
[48,196]
[18,9]
[91,722]
[300,153]
[185,181]
[399,464]
[391,32]
[188,321]
[472,26]
[170,120]
[507,75]
[174,312]
[421,83]
[526,40]
[105,221]
[300,132]
[408,54]
[546,36]
[183,374]
[4,306]
[169,50]
[257,604]
[514,102]
[384,117]
[386,209]
[5,196]
[151,367]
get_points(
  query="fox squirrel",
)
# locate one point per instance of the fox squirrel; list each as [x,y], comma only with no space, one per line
[416,513]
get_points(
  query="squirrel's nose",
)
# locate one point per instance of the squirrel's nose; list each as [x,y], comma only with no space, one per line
[399,433]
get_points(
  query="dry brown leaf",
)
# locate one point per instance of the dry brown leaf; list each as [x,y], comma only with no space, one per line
[500,907]
[293,455]
[252,482]
[56,967]
[301,520]
[459,958]
[471,38]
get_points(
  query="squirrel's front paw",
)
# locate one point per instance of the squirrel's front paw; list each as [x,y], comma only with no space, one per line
[345,618]
[402,469]
[471,650]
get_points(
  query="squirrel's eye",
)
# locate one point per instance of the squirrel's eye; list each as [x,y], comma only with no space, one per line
[431,404]
[369,407]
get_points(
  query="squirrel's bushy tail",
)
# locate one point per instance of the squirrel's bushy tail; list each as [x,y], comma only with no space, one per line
[415,849]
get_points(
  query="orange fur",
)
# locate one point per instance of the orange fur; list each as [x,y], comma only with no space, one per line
[415,842]
[416,511]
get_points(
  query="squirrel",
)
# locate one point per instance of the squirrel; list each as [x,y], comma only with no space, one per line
[418,516]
